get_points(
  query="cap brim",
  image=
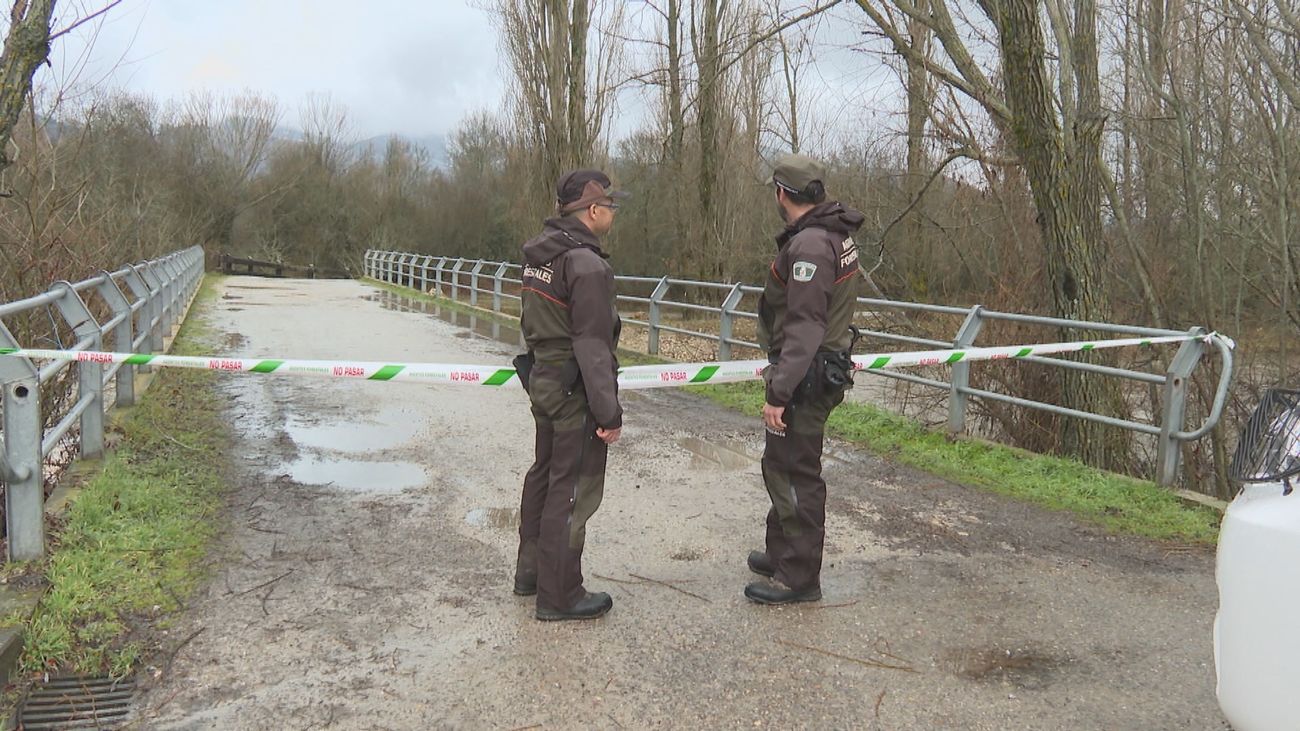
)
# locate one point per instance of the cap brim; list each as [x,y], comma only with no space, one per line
[620,194]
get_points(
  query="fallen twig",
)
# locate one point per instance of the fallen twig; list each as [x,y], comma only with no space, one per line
[168,699]
[265,598]
[179,443]
[177,650]
[265,583]
[879,699]
[618,581]
[267,530]
[831,606]
[358,587]
[670,586]
[860,661]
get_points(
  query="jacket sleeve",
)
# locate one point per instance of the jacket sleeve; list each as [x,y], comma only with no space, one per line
[591,319]
[807,303]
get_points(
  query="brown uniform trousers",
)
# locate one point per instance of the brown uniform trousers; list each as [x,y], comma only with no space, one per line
[792,472]
[562,489]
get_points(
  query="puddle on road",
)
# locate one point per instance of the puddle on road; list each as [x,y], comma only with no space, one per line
[357,476]
[231,342]
[1023,668]
[493,518]
[392,428]
[726,454]
[483,326]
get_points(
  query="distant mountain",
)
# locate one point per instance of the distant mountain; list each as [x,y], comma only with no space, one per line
[286,134]
[435,146]
[373,148]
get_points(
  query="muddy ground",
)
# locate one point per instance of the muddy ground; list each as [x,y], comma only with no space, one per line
[363,578]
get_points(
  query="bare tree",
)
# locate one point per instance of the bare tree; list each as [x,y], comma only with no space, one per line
[562,94]
[1056,133]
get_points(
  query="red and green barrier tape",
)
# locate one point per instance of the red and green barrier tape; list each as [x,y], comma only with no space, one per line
[632,377]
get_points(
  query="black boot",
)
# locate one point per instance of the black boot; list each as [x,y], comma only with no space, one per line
[774,592]
[525,585]
[588,607]
[760,564]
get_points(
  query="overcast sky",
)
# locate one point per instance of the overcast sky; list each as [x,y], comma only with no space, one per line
[406,66]
[413,67]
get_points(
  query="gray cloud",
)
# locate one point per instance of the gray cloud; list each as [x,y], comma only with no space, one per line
[401,66]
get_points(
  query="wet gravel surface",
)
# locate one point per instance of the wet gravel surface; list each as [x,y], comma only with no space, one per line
[363,577]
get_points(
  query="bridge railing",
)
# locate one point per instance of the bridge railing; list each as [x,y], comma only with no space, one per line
[467,279]
[132,309]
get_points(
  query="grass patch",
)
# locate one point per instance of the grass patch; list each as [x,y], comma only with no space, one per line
[135,536]
[1116,502]
[465,307]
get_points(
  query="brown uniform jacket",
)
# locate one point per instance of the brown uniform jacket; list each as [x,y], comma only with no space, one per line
[569,310]
[809,298]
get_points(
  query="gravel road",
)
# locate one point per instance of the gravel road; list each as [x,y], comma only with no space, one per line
[362,580]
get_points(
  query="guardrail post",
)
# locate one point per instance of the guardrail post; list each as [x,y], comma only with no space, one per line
[90,374]
[123,338]
[1168,449]
[153,311]
[657,296]
[169,295]
[473,282]
[410,270]
[24,483]
[174,270]
[455,278]
[138,280]
[727,320]
[424,274]
[365,262]
[437,275]
[496,286]
[957,400]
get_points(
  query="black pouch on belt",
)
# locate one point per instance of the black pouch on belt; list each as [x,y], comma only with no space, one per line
[836,370]
[523,364]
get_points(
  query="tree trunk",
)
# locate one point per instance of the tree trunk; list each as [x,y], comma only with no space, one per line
[1063,168]
[27,46]
[918,111]
[707,50]
[676,119]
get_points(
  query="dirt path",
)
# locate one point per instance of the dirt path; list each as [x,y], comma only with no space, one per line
[364,578]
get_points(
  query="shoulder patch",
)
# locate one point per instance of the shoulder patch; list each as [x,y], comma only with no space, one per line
[803,271]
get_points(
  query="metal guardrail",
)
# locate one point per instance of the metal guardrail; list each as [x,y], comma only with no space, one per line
[144,302]
[446,277]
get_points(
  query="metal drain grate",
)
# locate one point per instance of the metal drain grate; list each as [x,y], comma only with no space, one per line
[80,703]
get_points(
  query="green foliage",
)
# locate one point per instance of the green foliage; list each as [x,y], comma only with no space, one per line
[136,534]
[1116,502]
